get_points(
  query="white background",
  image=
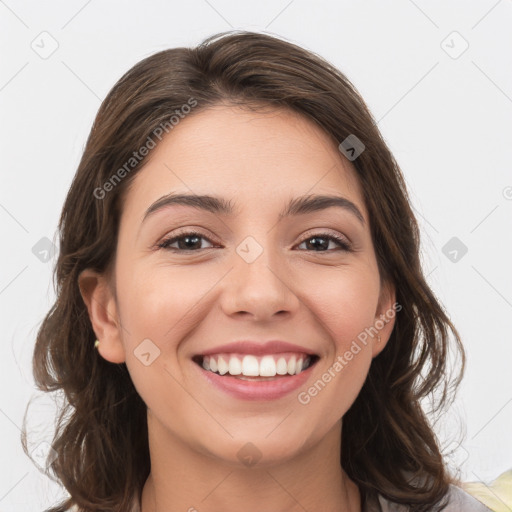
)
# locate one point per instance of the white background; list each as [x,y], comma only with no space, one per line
[447,120]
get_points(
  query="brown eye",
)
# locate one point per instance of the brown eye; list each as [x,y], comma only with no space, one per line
[190,241]
[321,241]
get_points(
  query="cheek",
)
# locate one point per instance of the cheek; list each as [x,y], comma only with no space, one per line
[153,305]
[342,373]
[158,308]
[344,303]
[159,303]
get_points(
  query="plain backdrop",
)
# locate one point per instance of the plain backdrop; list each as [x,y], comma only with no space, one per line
[436,75]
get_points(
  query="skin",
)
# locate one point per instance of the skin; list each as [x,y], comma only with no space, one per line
[187,301]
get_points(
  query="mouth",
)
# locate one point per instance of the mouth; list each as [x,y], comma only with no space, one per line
[251,370]
[250,377]
[252,367]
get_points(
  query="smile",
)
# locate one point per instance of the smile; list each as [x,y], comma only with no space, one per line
[256,377]
[248,365]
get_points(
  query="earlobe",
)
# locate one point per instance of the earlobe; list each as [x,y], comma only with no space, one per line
[103,314]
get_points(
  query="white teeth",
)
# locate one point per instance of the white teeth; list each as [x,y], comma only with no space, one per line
[253,366]
[250,366]
[281,366]
[235,366]
[291,366]
[267,367]
[222,366]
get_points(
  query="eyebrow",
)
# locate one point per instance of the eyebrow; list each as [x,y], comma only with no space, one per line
[218,205]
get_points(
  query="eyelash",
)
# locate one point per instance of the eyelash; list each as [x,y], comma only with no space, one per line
[344,244]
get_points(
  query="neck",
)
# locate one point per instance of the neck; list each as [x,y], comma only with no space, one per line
[183,479]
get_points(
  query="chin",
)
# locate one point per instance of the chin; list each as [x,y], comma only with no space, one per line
[260,452]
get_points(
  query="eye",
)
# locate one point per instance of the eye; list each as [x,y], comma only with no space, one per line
[189,241]
[319,241]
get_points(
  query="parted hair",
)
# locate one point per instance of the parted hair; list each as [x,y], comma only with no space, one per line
[101,441]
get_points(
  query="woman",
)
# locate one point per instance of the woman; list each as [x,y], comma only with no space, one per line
[239,246]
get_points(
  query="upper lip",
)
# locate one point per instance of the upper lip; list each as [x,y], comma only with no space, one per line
[257,348]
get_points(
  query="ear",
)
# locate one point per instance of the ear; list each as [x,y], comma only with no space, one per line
[101,306]
[385,316]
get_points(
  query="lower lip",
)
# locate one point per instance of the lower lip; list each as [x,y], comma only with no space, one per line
[256,390]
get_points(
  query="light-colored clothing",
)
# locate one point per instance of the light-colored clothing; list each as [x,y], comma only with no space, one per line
[458,501]
[497,496]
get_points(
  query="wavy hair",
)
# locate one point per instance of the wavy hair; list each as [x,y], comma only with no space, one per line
[388,444]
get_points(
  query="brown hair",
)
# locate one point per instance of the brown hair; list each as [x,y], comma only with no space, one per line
[388,445]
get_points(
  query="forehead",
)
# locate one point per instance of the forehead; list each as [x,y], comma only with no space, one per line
[251,156]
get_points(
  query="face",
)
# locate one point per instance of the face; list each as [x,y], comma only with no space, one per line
[191,279]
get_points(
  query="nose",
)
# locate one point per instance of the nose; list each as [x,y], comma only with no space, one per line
[260,289]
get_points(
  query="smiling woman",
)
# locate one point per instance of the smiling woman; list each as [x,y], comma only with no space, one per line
[265,332]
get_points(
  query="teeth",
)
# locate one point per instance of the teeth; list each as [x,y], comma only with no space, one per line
[254,366]
[281,367]
[291,366]
[267,367]
[222,366]
[235,366]
[250,366]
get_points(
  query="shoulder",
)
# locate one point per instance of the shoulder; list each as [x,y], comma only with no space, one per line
[497,495]
[457,500]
